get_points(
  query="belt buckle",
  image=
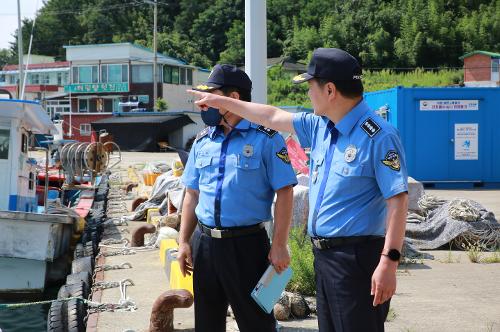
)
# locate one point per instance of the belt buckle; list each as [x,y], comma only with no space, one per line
[216,233]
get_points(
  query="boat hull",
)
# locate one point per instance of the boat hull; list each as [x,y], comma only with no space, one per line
[29,243]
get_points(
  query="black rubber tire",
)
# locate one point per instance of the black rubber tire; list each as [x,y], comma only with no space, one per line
[78,289]
[79,253]
[56,318]
[75,278]
[62,293]
[95,241]
[89,249]
[83,264]
[75,313]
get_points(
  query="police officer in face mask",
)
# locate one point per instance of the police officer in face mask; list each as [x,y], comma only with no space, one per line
[358,187]
[234,169]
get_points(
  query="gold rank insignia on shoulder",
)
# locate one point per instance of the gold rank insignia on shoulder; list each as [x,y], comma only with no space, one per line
[391,160]
[283,155]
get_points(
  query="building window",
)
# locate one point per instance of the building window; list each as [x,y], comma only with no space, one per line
[85,74]
[170,74]
[142,73]
[182,76]
[83,105]
[45,79]
[114,73]
[189,79]
[35,79]
[495,64]
[85,129]
[167,74]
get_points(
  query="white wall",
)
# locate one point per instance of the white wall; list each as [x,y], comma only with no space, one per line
[179,137]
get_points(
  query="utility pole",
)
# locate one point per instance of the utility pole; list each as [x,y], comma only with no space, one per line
[20,48]
[155,59]
[256,48]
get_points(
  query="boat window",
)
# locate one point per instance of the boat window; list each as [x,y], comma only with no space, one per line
[85,129]
[31,182]
[24,143]
[4,143]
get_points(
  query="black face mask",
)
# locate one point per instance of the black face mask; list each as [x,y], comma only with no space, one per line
[211,116]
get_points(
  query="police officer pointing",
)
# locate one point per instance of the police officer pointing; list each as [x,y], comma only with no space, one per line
[234,169]
[358,190]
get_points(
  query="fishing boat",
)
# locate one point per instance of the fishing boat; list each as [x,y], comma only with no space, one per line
[34,242]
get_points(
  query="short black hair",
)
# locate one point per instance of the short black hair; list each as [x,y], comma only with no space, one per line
[245,95]
[349,89]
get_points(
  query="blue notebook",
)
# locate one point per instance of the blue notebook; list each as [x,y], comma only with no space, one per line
[269,288]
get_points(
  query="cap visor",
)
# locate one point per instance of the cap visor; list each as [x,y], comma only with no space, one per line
[206,87]
[302,78]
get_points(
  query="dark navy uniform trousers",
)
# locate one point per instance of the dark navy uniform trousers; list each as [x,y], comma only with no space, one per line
[343,284]
[225,272]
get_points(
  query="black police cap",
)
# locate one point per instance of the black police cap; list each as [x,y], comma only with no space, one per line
[332,64]
[226,75]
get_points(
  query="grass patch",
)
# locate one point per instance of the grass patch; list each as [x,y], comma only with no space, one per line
[494,258]
[450,258]
[302,258]
[473,251]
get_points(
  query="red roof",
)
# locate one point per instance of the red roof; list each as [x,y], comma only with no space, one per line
[57,64]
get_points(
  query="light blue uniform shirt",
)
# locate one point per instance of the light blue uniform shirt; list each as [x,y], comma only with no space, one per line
[237,175]
[367,167]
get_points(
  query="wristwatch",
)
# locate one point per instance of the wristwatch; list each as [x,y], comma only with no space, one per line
[393,254]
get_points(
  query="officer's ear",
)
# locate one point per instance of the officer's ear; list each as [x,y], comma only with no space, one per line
[234,95]
[331,90]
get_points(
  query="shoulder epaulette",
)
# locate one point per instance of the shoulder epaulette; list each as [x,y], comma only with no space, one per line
[202,134]
[370,127]
[268,131]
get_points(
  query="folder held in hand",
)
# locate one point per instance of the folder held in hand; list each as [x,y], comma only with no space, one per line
[269,288]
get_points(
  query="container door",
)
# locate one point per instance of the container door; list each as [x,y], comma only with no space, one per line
[432,142]
[5,170]
[465,140]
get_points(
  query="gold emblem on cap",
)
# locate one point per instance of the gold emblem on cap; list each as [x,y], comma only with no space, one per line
[299,77]
[203,87]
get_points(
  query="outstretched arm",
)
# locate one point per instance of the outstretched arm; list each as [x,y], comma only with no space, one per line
[266,115]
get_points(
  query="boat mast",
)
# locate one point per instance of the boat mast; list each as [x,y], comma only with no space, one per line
[20,48]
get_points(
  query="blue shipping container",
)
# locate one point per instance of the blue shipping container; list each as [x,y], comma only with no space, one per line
[449,134]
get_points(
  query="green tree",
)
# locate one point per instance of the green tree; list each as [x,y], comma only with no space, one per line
[235,45]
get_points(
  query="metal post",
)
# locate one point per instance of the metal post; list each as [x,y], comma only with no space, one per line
[155,59]
[256,48]
[20,48]
[46,189]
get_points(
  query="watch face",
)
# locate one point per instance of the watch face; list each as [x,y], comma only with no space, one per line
[394,254]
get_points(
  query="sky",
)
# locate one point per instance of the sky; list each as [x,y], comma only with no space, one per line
[8,17]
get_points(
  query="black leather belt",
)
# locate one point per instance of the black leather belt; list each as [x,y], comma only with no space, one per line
[331,242]
[225,233]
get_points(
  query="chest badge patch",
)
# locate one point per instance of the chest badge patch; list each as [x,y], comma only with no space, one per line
[391,160]
[350,153]
[248,150]
[283,155]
